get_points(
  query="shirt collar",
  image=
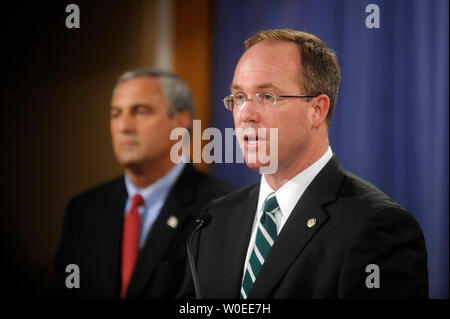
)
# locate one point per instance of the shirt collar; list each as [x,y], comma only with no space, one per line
[159,189]
[289,194]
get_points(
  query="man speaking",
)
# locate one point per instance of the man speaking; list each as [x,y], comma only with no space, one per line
[310,229]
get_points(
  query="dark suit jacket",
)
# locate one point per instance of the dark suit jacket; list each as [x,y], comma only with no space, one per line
[92,235]
[357,225]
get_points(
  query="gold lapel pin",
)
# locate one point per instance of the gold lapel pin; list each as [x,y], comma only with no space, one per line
[311,222]
[172,222]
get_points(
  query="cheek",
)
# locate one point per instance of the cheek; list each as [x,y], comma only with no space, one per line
[291,129]
[155,133]
[236,118]
[113,130]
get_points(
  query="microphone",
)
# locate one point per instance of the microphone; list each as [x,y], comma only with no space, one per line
[202,221]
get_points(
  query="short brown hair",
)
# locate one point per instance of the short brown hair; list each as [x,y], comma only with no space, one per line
[320,68]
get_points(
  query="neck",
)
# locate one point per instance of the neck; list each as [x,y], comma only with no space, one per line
[144,175]
[285,174]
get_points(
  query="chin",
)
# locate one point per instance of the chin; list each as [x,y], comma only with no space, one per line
[254,166]
[130,161]
[265,168]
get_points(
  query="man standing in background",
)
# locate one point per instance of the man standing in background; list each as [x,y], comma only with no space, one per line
[128,236]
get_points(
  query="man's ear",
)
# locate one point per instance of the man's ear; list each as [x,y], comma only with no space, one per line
[183,119]
[321,105]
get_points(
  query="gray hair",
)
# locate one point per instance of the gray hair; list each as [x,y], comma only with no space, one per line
[174,89]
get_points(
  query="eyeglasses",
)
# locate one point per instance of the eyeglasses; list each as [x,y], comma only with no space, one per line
[264,99]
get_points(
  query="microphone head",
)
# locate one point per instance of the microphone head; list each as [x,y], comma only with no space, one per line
[204,220]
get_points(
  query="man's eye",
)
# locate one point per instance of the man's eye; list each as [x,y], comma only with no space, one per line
[143,110]
[114,114]
[239,97]
[268,97]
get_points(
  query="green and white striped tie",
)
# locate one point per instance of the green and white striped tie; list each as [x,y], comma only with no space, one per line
[265,237]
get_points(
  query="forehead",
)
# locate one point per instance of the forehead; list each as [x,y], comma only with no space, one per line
[269,61]
[140,89]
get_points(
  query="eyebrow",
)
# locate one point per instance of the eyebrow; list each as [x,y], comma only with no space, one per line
[267,85]
[132,108]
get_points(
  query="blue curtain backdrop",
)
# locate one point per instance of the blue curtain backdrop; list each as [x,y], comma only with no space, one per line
[391,120]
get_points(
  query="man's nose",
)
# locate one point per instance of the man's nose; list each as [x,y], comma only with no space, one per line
[249,111]
[126,123]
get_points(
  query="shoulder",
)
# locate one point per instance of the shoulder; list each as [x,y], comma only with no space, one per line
[93,201]
[98,194]
[357,192]
[362,191]
[352,201]
[370,207]
[206,184]
[225,203]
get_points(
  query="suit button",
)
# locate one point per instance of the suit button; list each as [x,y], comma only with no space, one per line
[311,222]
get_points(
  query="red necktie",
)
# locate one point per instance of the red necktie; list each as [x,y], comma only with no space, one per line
[130,242]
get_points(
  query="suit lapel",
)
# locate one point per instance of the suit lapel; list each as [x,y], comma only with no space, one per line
[295,234]
[161,234]
[239,225]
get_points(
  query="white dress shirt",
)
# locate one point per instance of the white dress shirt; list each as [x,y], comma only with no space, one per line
[287,196]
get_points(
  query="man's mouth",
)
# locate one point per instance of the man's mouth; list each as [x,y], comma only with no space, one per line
[128,143]
[253,139]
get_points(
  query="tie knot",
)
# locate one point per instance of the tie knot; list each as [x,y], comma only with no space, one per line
[137,201]
[271,203]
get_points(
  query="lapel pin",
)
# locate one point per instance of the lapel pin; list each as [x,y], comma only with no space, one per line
[172,222]
[311,222]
